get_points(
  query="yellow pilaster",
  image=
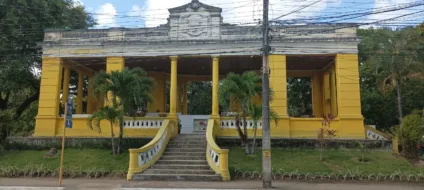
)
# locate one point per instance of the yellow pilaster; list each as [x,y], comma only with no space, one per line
[317,99]
[278,83]
[348,96]
[173,88]
[327,97]
[80,92]
[65,87]
[90,95]
[215,86]
[114,64]
[333,93]
[48,106]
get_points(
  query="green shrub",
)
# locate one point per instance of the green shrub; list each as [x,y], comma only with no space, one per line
[40,170]
[411,135]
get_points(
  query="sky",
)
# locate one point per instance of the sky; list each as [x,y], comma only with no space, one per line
[150,13]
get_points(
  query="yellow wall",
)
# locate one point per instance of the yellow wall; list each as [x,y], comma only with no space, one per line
[348,96]
[317,103]
[114,64]
[48,106]
[159,92]
[278,83]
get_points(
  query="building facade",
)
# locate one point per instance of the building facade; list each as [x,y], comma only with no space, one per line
[196,45]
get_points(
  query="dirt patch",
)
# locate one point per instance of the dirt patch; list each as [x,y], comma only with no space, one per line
[419,164]
[52,153]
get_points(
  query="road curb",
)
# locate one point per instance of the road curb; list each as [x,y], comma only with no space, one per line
[30,188]
[174,189]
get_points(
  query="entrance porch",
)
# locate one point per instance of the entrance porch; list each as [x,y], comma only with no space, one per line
[334,89]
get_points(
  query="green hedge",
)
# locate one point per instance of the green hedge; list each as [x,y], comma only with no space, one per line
[311,143]
[45,143]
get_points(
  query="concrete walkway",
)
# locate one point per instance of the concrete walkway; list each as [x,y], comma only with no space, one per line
[116,184]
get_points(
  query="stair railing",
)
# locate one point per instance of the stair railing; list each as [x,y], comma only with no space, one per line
[217,158]
[144,157]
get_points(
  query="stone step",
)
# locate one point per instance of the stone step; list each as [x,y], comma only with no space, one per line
[196,137]
[176,177]
[183,162]
[191,134]
[172,146]
[187,143]
[194,141]
[173,171]
[167,153]
[181,167]
[183,157]
[185,149]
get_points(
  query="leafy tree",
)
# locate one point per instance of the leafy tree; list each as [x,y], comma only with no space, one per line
[113,115]
[299,94]
[130,89]
[199,98]
[242,88]
[22,25]
[390,55]
[256,114]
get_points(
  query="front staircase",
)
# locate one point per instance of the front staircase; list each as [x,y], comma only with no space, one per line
[184,159]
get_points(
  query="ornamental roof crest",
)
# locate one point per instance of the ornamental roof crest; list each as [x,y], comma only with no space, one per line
[194,6]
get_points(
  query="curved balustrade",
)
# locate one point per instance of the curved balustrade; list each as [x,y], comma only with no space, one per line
[146,156]
[231,123]
[372,133]
[217,158]
[143,122]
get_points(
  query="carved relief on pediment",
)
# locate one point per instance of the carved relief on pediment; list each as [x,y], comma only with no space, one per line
[194,25]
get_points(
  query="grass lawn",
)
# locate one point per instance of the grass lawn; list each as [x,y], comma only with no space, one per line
[74,158]
[307,160]
[289,160]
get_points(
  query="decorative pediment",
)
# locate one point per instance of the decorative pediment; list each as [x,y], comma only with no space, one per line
[194,6]
[195,21]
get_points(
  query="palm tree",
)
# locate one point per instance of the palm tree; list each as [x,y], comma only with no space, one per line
[110,113]
[256,115]
[129,89]
[241,88]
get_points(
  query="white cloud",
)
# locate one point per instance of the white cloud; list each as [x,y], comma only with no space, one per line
[234,11]
[106,16]
[136,11]
[379,4]
[78,3]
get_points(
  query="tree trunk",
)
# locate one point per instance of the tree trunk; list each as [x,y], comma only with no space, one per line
[254,140]
[321,152]
[121,133]
[26,104]
[113,138]
[247,149]
[422,114]
[239,130]
[399,103]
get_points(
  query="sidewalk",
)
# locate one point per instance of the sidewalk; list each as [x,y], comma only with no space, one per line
[116,184]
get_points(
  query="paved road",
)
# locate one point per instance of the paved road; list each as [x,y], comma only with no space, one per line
[116,184]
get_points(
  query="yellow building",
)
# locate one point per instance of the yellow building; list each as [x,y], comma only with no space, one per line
[196,45]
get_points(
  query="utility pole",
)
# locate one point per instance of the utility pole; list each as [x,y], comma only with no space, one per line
[266,134]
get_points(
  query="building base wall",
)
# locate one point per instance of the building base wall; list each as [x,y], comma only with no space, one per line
[306,128]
